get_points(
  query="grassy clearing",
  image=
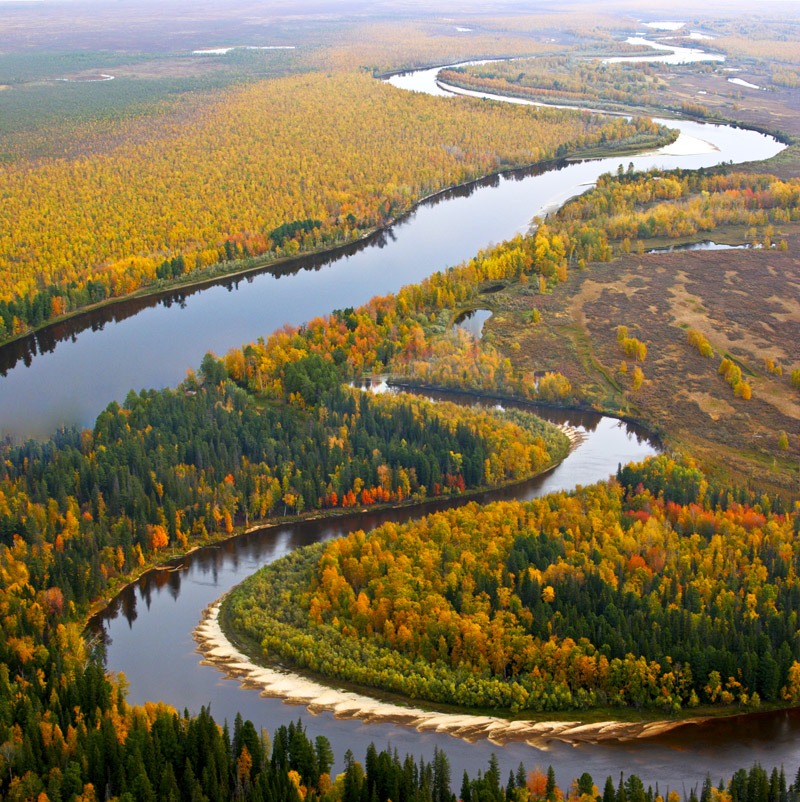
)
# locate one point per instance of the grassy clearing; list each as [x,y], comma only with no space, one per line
[737,298]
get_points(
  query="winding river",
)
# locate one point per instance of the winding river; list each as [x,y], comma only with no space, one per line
[147,629]
[148,634]
[69,372]
[149,626]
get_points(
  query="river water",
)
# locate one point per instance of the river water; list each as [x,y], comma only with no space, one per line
[68,373]
[147,629]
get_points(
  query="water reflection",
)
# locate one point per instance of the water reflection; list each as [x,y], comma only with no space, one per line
[180,326]
[472,321]
[705,245]
[174,601]
[173,605]
[45,340]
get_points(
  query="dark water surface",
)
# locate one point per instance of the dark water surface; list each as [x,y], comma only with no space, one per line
[473,321]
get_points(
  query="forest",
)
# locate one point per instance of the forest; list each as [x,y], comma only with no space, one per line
[154,754]
[410,337]
[662,592]
[163,472]
[171,468]
[655,591]
[624,212]
[565,80]
[175,467]
[311,161]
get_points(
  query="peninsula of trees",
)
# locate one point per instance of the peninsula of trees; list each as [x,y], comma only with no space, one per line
[654,591]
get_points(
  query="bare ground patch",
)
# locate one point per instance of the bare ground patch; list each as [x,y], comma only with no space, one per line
[713,406]
[746,302]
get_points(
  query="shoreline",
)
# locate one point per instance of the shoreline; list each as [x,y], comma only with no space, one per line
[218,273]
[218,651]
[173,562]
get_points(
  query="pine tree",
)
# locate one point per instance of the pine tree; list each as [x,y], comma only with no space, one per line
[441,776]
[585,784]
[550,788]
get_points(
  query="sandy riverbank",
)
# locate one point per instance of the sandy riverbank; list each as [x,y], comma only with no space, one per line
[575,436]
[218,651]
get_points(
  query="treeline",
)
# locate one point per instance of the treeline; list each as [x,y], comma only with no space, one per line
[168,470]
[566,80]
[239,174]
[386,47]
[657,591]
[151,753]
[410,335]
[624,211]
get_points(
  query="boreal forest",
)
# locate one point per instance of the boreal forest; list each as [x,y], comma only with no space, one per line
[411,514]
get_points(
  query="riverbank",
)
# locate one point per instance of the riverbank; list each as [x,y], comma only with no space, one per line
[218,651]
[230,634]
[664,294]
[575,436]
[172,561]
[223,272]
[773,114]
[218,318]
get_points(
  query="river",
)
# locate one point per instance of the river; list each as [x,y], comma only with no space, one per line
[150,624]
[148,635]
[147,629]
[69,372]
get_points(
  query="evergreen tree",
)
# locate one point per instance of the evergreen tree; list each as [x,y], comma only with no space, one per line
[585,784]
[550,788]
[466,788]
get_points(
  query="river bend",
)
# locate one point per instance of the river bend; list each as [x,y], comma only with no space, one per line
[69,372]
[147,629]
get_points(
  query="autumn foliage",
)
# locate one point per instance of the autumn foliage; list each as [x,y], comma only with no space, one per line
[564,80]
[656,591]
[624,211]
[410,336]
[262,170]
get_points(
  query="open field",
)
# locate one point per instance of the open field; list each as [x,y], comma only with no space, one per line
[746,304]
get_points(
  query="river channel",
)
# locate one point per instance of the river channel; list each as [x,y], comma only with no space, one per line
[148,636]
[147,629]
[68,373]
